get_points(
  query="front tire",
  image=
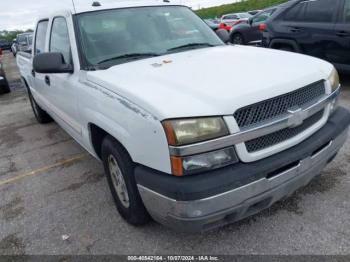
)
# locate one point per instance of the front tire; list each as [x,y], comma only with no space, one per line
[119,170]
[237,39]
[41,116]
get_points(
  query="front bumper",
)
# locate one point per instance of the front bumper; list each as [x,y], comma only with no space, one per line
[199,203]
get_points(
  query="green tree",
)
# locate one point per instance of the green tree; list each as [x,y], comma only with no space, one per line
[242,6]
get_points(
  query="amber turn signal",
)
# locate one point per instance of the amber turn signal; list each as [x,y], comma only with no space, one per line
[176,166]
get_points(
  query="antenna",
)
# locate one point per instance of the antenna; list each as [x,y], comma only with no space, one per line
[74,6]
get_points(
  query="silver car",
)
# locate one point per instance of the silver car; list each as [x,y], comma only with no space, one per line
[230,19]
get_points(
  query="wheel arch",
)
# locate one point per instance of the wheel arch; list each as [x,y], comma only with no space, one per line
[97,135]
[233,33]
[289,42]
[24,81]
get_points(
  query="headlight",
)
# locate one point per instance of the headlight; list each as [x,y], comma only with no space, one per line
[334,80]
[189,131]
[203,162]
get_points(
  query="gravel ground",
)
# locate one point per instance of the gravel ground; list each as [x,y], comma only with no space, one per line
[68,195]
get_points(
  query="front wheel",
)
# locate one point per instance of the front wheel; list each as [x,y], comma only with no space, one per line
[237,39]
[119,170]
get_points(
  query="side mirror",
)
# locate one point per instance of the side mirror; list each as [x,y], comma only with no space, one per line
[224,35]
[250,21]
[51,63]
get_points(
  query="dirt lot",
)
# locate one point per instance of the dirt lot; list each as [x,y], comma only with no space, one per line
[50,187]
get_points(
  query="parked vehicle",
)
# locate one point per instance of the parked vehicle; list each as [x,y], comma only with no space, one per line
[14,47]
[318,28]
[226,27]
[4,45]
[4,86]
[232,19]
[23,43]
[212,25]
[250,33]
[192,150]
[254,12]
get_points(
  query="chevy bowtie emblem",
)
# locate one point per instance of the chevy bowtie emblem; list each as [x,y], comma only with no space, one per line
[296,117]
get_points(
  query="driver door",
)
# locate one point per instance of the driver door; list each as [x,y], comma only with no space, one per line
[61,88]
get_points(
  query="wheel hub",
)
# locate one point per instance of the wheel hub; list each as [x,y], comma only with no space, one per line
[118,181]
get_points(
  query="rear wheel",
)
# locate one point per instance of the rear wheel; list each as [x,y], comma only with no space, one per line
[41,116]
[4,87]
[286,48]
[237,39]
[119,170]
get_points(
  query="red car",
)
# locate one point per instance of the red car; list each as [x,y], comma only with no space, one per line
[225,27]
[229,27]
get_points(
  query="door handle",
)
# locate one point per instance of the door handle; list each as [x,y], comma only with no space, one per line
[343,34]
[295,29]
[33,73]
[47,80]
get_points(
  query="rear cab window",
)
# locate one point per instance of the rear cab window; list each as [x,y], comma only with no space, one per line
[40,37]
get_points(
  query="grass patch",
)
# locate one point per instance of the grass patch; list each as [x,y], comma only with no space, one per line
[243,6]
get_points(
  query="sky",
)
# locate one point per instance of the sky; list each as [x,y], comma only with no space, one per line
[22,14]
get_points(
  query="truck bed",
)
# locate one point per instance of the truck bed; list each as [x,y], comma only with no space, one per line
[24,63]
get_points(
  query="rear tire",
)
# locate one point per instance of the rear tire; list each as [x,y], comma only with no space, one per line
[5,88]
[119,170]
[286,48]
[41,116]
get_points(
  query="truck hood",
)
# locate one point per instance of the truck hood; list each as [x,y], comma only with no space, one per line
[209,81]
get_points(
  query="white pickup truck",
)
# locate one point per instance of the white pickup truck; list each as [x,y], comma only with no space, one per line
[191,131]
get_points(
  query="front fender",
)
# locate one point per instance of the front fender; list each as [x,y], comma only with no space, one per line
[138,131]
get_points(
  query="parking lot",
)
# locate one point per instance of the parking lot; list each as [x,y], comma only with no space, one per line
[55,200]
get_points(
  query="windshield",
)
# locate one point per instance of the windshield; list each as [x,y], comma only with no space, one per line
[117,36]
[245,15]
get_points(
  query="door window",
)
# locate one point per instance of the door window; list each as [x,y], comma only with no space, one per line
[314,11]
[228,17]
[320,11]
[30,40]
[346,16]
[22,40]
[295,13]
[59,40]
[263,16]
[40,38]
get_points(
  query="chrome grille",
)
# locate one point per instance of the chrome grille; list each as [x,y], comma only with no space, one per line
[272,108]
[282,135]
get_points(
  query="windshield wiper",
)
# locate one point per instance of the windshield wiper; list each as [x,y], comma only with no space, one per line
[191,45]
[131,56]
